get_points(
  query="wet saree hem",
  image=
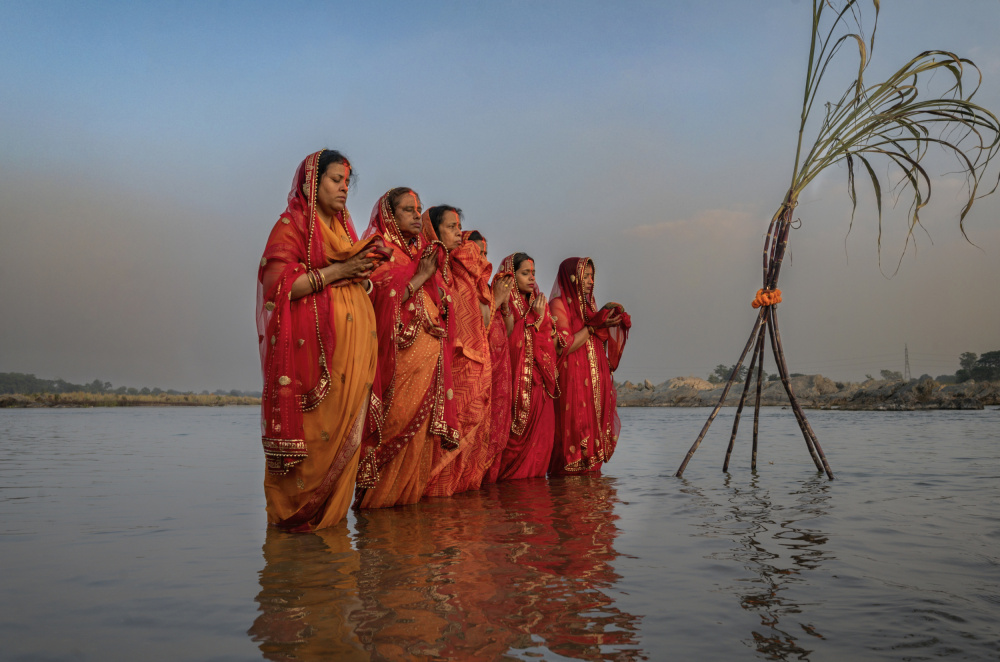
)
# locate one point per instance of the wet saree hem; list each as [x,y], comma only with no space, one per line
[300,520]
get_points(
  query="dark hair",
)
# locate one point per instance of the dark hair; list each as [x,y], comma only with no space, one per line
[437,215]
[476,235]
[329,156]
[396,194]
[519,259]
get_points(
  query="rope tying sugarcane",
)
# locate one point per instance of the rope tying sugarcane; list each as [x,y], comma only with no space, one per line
[766,298]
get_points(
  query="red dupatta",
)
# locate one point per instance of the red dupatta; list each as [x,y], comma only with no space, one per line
[468,270]
[531,348]
[603,351]
[397,325]
[471,259]
[294,345]
[583,310]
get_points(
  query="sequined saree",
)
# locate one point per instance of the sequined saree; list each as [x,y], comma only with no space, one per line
[318,356]
[471,374]
[587,423]
[413,419]
[533,387]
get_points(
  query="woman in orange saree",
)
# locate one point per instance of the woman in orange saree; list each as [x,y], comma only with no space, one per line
[525,314]
[590,344]
[316,331]
[414,412]
[470,366]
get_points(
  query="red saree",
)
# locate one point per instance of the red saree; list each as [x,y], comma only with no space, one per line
[414,413]
[587,423]
[533,387]
[462,469]
[318,359]
[500,394]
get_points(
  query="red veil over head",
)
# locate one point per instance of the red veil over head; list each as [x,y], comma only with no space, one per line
[479,267]
[535,352]
[397,326]
[294,346]
[588,426]
[583,310]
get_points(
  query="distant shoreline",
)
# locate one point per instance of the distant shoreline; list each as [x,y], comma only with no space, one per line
[816,392]
[81,400]
[812,391]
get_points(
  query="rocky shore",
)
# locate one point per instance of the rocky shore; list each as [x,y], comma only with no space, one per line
[816,392]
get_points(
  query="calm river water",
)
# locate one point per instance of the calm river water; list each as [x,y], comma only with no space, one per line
[140,534]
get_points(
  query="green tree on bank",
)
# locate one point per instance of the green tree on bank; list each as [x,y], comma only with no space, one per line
[985,368]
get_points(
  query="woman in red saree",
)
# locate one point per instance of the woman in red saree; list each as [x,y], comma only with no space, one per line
[525,314]
[316,331]
[414,415]
[590,344]
[471,372]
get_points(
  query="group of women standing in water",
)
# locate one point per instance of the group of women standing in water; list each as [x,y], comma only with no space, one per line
[395,369]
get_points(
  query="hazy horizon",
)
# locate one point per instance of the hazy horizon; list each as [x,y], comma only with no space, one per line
[148,150]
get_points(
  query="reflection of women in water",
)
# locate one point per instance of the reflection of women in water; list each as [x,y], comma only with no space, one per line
[471,301]
[414,411]
[316,331]
[565,558]
[533,370]
[308,593]
[428,588]
[590,344]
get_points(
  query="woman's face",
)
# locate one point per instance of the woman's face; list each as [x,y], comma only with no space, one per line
[407,213]
[450,230]
[588,279]
[525,277]
[331,197]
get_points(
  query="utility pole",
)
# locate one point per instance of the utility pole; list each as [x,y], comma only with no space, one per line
[906,363]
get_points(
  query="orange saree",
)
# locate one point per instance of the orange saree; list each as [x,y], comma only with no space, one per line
[318,354]
[414,414]
[470,372]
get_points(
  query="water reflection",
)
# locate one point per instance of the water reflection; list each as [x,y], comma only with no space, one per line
[776,544]
[308,590]
[517,569]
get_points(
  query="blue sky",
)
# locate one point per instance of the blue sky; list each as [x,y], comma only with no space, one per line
[148,148]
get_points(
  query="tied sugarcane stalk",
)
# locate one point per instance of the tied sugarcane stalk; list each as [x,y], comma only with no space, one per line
[893,121]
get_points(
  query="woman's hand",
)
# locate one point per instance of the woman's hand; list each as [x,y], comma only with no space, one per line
[539,305]
[612,320]
[502,289]
[425,269]
[358,266]
[428,265]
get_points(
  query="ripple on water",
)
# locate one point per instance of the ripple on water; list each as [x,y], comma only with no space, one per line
[143,530]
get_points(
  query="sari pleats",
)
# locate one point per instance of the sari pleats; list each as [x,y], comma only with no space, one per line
[316,493]
[527,455]
[404,478]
